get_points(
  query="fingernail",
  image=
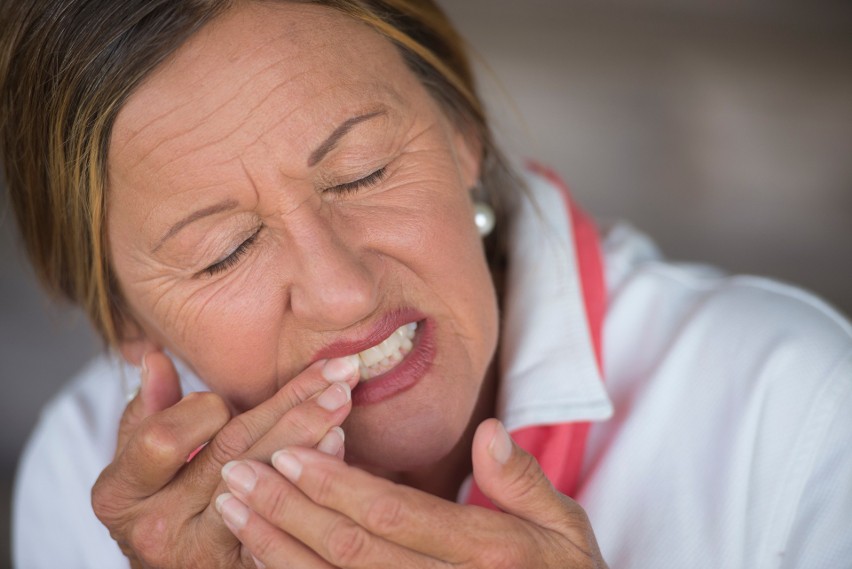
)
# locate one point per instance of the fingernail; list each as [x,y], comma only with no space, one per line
[340,369]
[258,563]
[220,499]
[335,396]
[287,464]
[332,442]
[240,477]
[234,512]
[143,379]
[131,395]
[500,447]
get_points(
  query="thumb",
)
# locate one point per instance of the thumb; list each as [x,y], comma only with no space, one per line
[512,478]
[159,390]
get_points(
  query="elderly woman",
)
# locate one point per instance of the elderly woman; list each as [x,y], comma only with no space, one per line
[274,213]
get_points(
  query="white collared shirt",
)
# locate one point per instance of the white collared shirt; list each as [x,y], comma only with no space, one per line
[721,436]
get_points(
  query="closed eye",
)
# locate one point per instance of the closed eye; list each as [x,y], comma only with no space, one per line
[232,259]
[365,182]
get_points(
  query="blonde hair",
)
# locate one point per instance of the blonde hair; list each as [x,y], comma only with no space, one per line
[66,68]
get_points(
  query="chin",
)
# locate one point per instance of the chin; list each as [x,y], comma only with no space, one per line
[418,441]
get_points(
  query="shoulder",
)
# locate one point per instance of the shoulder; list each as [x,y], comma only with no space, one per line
[72,442]
[86,410]
[710,342]
[734,390]
[729,319]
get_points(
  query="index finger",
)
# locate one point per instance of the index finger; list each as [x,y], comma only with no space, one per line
[155,453]
[244,431]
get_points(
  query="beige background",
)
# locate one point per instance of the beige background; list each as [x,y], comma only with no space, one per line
[723,129]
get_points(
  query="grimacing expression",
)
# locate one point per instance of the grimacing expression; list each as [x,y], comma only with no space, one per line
[284,184]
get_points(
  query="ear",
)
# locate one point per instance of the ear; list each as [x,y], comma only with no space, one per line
[468,150]
[134,343]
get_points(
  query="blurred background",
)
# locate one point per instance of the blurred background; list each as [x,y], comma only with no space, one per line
[723,129]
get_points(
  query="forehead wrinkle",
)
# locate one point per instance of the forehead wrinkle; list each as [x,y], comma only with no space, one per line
[247,84]
[122,144]
[375,105]
[250,178]
[239,123]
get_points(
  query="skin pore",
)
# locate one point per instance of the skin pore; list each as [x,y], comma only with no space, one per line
[284,183]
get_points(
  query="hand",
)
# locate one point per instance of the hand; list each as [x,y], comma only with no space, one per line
[158,505]
[323,514]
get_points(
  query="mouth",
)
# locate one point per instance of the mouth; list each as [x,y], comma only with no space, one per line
[387,354]
[394,358]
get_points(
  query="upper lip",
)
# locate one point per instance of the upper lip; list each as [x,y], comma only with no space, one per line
[383,327]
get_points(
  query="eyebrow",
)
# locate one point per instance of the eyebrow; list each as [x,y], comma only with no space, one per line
[316,156]
[341,131]
[226,205]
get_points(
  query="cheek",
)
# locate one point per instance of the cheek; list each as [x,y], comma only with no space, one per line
[426,229]
[226,330]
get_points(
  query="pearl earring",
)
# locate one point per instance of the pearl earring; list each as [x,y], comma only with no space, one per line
[483,216]
[483,213]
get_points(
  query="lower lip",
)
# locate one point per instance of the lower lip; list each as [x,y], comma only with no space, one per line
[403,377]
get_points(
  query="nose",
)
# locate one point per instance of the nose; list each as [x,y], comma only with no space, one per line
[332,287]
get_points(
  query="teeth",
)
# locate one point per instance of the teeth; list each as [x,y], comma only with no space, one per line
[391,346]
[386,355]
[371,356]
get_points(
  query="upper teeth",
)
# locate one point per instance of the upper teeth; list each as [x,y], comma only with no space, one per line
[384,356]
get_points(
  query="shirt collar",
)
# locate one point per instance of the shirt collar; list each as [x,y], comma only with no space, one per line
[548,370]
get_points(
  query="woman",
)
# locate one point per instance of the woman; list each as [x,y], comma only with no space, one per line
[274,201]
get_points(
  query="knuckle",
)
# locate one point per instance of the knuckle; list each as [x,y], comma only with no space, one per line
[112,498]
[325,487]
[233,440]
[148,539]
[577,518]
[158,442]
[385,515]
[528,480]
[297,391]
[213,404]
[509,555]
[103,503]
[346,543]
[303,428]
[277,502]
[263,545]
[305,385]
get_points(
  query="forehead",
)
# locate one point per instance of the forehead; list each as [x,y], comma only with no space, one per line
[258,69]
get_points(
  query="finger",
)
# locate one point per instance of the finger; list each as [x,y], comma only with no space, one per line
[332,443]
[335,537]
[513,480]
[307,424]
[267,544]
[302,423]
[160,383]
[298,421]
[272,420]
[413,519]
[311,423]
[398,513]
[159,390]
[158,449]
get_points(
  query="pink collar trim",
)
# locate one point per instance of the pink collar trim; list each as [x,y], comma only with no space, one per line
[560,446]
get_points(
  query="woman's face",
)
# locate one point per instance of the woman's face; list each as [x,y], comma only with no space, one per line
[284,190]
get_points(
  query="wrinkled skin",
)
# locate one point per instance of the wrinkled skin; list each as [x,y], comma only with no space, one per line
[294,252]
